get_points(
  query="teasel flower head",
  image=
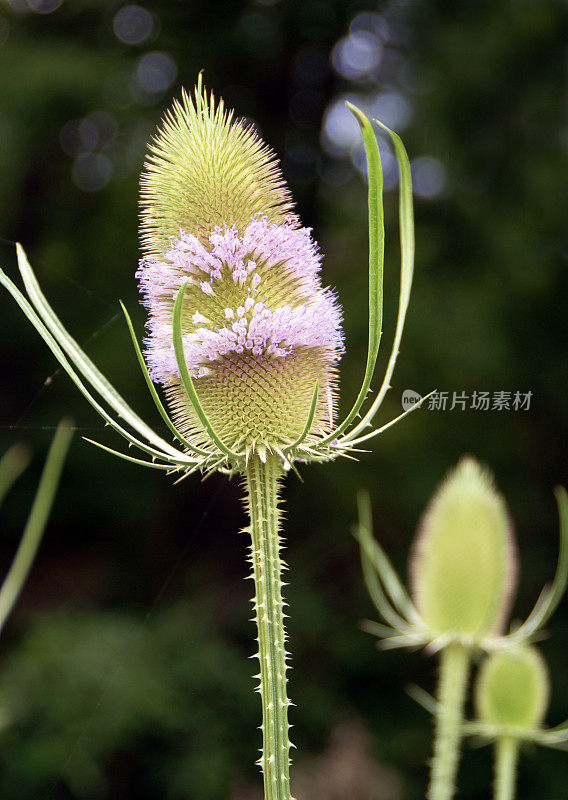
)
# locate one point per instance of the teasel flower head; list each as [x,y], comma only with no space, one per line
[242,336]
[259,331]
[463,570]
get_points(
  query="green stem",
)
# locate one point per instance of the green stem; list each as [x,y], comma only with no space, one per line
[506,757]
[454,670]
[262,485]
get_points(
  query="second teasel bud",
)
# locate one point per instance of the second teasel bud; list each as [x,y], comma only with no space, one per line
[513,689]
[463,564]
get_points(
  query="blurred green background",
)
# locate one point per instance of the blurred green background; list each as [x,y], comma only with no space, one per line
[124,670]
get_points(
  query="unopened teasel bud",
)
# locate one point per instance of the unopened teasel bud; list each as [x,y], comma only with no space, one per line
[513,689]
[463,565]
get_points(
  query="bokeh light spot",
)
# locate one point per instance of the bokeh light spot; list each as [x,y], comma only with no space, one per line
[92,172]
[156,72]
[391,108]
[428,177]
[369,21]
[132,24]
[340,128]
[44,6]
[357,56]
[78,136]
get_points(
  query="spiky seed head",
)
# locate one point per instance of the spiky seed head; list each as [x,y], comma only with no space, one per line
[463,563]
[259,330]
[513,689]
[205,170]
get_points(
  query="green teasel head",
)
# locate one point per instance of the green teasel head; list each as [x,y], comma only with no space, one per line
[206,170]
[463,565]
[513,689]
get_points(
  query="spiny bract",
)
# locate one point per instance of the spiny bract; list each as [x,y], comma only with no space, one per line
[259,331]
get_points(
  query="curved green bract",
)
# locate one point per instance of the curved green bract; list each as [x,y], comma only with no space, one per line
[12,464]
[82,362]
[383,584]
[186,378]
[406,221]
[152,389]
[53,345]
[309,421]
[376,264]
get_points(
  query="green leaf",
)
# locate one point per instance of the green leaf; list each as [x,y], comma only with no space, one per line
[55,348]
[309,421]
[12,464]
[27,549]
[406,221]
[377,570]
[376,264]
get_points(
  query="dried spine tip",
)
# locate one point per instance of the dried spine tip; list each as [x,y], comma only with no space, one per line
[463,564]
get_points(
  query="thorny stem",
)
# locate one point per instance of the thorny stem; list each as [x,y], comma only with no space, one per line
[506,757]
[261,480]
[454,670]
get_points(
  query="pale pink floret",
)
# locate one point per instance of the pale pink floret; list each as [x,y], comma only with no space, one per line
[252,327]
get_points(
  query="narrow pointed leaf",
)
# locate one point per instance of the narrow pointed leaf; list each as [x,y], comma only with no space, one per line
[82,362]
[381,563]
[406,221]
[154,394]
[351,442]
[12,464]
[550,598]
[125,457]
[373,576]
[423,698]
[61,357]
[376,264]
[27,549]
